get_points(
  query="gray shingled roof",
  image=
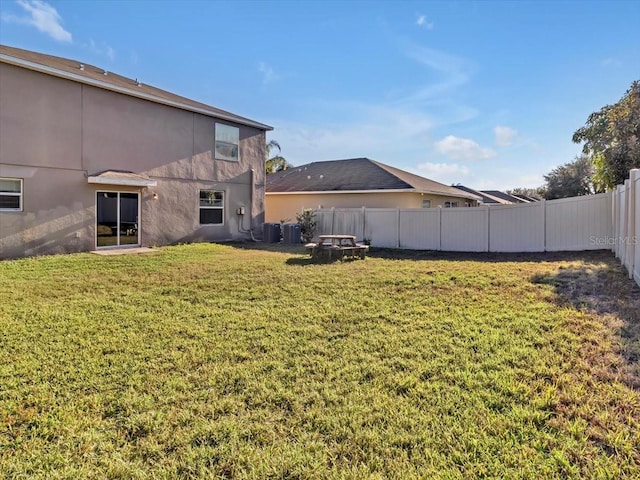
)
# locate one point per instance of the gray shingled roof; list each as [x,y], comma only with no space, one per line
[504,196]
[355,174]
[486,198]
[89,74]
[528,198]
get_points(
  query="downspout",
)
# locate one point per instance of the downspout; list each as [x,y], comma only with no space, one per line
[253,188]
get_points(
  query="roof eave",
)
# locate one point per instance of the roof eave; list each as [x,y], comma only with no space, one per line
[469,196]
[126,91]
[321,192]
[397,190]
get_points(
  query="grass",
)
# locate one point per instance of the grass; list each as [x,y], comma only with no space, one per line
[212,361]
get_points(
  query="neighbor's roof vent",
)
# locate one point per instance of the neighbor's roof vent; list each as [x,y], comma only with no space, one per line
[82,66]
[105,73]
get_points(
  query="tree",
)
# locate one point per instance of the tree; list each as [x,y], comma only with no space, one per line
[571,179]
[611,139]
[538,192]
[277,162]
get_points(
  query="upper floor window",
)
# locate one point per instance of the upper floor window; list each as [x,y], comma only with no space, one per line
[10,194]
[227,142]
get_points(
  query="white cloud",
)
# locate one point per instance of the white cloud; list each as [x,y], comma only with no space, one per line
[422,22]
[396,131]
[450,72]
[504,136]
[457,148]
[447,173]
[42,16]
[506,180]
[101,48]
[381,132]
[268,74]
[611,62]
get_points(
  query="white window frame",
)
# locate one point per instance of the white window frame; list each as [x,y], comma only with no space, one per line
[450,204]
[427,202]
[19,194]
[225,138]
[211,207]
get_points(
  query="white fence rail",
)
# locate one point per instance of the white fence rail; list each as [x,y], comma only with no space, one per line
[604,221]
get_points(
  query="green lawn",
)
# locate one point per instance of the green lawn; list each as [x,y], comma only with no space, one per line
[212,361]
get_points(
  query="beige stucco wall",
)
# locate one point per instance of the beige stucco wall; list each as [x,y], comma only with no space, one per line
[56,132]
[285,207]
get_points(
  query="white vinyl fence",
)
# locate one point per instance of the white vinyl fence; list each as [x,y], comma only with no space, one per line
[625,241]
[594,222]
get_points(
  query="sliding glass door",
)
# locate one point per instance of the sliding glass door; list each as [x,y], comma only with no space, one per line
[117,219]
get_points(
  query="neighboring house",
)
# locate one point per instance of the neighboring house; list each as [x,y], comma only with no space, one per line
[357,182]
[486,199]
[90,159]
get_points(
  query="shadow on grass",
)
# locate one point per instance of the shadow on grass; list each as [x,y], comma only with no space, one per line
[593,256]
[603,288]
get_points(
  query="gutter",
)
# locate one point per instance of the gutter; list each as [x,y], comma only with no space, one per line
[468,196]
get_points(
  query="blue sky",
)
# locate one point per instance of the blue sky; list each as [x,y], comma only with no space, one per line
[487,94]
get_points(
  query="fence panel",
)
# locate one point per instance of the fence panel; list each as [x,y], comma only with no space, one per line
[634,239]
[465,229]
[517,228]
[604,221]
[622,222]
[615,213]
[420,229]
[381,226]
[324,222]
[625,248]
[579,223]
[349,221]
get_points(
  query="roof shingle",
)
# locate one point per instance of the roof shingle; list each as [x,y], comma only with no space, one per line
[355,174]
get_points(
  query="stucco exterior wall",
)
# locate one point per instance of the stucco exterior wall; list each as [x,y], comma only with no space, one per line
[58,213]
[40,119]
[285,207]
[54,133]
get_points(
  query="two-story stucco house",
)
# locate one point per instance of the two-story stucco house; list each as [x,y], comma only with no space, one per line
[90,159]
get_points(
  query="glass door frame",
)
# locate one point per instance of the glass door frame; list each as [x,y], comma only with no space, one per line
[118,222]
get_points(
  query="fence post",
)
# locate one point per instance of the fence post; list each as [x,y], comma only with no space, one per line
[333,218]
[635,240]
[613,216]
[631,239]
[543,202]
[364,226]
[440,227]
[616,220]
[623,241]
[488,217]
[398,229]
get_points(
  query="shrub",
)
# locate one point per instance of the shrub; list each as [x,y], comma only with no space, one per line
[307,221]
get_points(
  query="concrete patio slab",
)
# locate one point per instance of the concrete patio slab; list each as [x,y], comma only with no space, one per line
[124,251]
